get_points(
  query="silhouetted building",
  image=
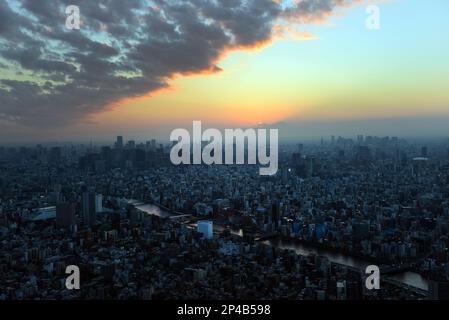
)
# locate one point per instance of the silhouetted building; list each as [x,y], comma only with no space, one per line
[119,142]
[88,208]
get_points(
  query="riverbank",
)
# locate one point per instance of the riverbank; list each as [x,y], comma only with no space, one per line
[408,278]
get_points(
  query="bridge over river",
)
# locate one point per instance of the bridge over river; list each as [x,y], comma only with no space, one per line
[397,274]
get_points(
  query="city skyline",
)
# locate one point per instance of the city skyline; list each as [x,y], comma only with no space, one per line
[310,68]
[135,226]
[226,157]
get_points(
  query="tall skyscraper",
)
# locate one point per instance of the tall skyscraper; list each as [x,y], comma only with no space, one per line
[106,155]
[98,203]
[119,142]
[88,208]
[131,144]
[360,139]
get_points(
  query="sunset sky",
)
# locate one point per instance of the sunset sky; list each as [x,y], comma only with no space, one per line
[142,68]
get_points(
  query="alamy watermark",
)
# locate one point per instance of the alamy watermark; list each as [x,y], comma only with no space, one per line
[373,279]
[73,17]
[73,20]
[372,21]
[73,280]
[190,150]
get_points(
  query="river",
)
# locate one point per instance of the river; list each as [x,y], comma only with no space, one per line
[410,278]
[407,277]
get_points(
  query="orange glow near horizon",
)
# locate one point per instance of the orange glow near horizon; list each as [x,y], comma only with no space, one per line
[227,99]
[321,73]
[180,99]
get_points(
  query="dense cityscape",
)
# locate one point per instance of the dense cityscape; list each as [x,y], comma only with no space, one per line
[139,227]
[205,159]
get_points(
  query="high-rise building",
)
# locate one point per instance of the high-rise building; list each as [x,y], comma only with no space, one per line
[65,215]
[106,155]
[296,159]
[98,203]
[205,227]
[311,163]
[119,142]
[131,144]
[360,139]
[88,208]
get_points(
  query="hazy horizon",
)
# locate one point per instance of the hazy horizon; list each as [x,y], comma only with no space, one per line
[142,69]
[313,131]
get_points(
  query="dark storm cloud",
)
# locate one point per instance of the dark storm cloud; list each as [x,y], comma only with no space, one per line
[123,49]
